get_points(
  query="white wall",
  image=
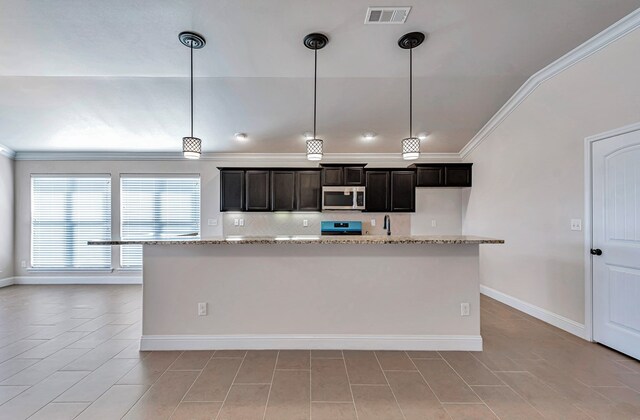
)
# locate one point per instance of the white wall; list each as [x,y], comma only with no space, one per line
[528,179]
[210,200]
[6,216]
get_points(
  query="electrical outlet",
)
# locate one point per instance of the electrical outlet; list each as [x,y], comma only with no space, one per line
[241,222]
[373,222]
[433,223]
[305,223]
[576,224]
[202,308]
[464,309]
[212,222]
[236,222]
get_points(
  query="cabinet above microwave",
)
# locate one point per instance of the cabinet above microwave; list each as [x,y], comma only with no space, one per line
[339,174]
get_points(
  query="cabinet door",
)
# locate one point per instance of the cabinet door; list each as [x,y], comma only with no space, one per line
[403,192]
[257,190]
[283,190]
[431,176]
[231,190]
[309,191]
[332,176]
[457,175]
[353,175]
[377,192]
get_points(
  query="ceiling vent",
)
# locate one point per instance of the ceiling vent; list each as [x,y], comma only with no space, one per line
[386,15]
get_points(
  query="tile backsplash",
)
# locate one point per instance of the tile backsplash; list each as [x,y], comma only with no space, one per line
[285,223]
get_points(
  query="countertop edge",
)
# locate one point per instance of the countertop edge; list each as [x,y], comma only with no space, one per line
[320,241]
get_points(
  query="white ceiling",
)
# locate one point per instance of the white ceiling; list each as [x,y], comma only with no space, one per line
[112,75]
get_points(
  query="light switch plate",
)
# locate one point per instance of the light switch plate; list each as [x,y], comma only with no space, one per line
[433,223]
[236,222]
[576,224]
[373,222]
[305,223]
[241,222]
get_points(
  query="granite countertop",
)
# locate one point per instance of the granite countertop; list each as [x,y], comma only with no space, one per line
[364,239]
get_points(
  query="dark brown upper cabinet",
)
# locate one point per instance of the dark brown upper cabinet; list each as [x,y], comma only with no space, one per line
[457,175]
[308,191]
[443,174]
[231,190]
[343,174]
[332,176]
[403,191]
[257,195]
[283,190]
[377,194]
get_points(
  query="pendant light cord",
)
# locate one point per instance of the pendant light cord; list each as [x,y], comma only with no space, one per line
[410,92]
[191,48]
[315,88]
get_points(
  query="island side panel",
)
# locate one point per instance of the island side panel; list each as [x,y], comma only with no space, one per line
[310,296]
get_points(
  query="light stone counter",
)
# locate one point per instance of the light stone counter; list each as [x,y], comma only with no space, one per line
[356,239]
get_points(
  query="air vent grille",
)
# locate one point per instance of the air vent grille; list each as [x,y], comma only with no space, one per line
[386,15]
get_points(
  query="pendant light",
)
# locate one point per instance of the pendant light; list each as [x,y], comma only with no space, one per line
[191,146]
[411,145]
[315,42]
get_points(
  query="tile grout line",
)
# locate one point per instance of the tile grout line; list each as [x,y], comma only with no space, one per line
[353,400]
[194,381]
[231,385]
[469,386]
[310,415]
[389,385]
[264,414]
[148,389]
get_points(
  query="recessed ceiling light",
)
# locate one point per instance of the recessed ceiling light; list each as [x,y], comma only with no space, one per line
[368,136]
[308,135]
[423,135]
[240,136]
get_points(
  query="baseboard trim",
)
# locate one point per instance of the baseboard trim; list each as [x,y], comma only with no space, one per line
[311,342]
[7,281]
[74,279]
[549,317]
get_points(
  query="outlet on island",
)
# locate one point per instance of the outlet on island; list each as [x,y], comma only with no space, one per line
[202,309]
[464,309]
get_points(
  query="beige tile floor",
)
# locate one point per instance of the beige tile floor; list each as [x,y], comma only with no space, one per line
[71,352]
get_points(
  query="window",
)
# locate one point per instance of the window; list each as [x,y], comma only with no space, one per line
[157,208]
[66,212]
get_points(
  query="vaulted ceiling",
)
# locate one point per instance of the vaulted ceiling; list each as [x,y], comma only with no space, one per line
[111,75]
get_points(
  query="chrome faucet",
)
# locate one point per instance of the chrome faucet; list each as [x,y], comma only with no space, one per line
[387,224]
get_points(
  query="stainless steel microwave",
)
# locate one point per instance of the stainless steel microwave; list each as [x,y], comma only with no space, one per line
[343,198]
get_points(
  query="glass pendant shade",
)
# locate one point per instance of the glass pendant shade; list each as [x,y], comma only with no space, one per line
[411,148]
[191,147]
[314,149]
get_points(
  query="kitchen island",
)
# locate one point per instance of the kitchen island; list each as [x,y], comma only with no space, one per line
[343,292]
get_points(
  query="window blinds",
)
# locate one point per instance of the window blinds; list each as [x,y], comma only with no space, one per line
[66,212]
[157,208]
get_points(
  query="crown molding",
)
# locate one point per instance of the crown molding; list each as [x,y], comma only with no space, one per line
[7,152]
[231,157]
[616,31]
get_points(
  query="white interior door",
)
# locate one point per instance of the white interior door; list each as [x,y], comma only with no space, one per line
[616,233]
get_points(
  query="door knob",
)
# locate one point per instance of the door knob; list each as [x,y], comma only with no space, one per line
[596,251]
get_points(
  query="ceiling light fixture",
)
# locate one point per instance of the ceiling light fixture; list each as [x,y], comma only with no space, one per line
[411,145]
[191,146]
[423,135]
[240,136]
[315,42]
[368,136]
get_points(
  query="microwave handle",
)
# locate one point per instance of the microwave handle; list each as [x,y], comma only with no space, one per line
[355,198]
